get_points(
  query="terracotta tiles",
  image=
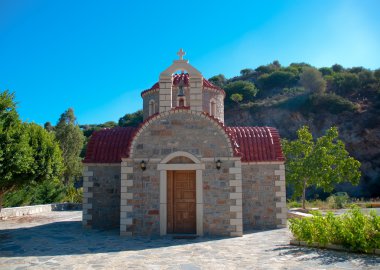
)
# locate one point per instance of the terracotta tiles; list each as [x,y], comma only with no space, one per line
[252,144]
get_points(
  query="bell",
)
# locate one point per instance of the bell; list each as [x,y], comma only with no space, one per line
[180,90]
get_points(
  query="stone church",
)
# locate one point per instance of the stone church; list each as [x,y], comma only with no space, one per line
[183,171]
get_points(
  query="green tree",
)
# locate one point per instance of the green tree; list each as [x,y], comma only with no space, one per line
[28,153]
[247,89]
[16,156]
[237,98]
[312,80]
[345,83]
[47,156]
[218,80]
[321,163]
[277,79]
[48,126]
[131,119]
[71,139]
[246,71]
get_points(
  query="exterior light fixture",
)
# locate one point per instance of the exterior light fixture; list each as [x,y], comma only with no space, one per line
[143,165]
[218,164]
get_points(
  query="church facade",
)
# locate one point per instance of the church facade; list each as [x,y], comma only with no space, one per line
[182,171]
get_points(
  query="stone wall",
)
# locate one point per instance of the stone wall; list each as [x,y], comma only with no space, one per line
[264,204]
[222,208]
[196,134]
[181,130]
[36,209]
[140,200]
[101,202]
[208,94]
[154,95]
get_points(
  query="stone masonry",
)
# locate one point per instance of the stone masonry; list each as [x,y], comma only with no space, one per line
[264,204]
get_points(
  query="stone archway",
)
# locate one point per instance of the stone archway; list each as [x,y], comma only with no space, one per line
[166,166]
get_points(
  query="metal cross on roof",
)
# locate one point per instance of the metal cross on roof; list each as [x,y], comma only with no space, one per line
[181,53]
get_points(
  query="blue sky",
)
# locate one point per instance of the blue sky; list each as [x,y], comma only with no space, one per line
[97,56]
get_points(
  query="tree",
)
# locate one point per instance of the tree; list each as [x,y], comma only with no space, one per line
[131,119]
[48,126]
[321,163]
[236,98]
[345,83]
[47,156]
[312,80]
[337,68]
[277,79]
[70,139]
[247,89]
[218,80]
[15,153]
[246,71]
[28,153]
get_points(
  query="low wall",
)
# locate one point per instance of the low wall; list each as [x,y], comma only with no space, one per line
[35,209]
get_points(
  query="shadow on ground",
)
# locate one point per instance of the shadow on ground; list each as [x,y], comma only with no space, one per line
[327,257]
[69,237]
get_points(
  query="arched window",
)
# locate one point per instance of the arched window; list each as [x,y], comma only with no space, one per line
[181,101]
[152,107]
[212,107]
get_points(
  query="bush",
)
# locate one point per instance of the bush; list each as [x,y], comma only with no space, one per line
[338,200]
[329,102]
[48,191]
[354,230]
[73,194]
[294,204]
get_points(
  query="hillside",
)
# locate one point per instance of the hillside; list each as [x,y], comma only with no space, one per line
[350,100]
[299,94]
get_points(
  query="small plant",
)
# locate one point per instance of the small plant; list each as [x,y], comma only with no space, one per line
[294,204]
[73,195]
[338,200]
[354,230]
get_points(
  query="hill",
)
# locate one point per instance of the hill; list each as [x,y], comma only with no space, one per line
[300,94]
[346,98]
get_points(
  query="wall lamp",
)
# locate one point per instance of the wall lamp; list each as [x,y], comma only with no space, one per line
[218,164]
[143,165]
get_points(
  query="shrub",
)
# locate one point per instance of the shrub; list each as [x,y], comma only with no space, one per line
[294,204]
[329,102]
[73,194]
[354,230]
[338,200]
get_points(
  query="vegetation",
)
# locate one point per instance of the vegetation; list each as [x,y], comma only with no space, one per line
[131,119]
[321,163]
[71,140]
[246,90]
[28,153]
[354,230]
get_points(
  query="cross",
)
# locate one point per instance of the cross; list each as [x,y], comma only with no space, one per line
[181,53]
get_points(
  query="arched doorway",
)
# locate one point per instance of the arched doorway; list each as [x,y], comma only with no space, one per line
[181,194]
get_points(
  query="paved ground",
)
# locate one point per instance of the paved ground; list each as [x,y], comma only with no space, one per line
[57,241]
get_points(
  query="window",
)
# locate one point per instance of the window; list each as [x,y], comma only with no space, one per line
[212,107]
[152,107]
[181,102]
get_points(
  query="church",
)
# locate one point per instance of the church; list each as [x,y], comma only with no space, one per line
[183,171]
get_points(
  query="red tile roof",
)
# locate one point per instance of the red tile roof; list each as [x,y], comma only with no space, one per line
[255,144]
[185,77]
[109,145]
[252,144]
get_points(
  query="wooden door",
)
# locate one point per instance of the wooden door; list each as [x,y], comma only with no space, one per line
[181,202]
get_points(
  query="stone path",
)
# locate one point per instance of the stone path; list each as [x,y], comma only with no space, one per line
[57,240]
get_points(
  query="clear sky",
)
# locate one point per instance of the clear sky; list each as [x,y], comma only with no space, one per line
[97,56]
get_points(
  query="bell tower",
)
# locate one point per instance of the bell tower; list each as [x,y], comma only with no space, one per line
[166,85]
